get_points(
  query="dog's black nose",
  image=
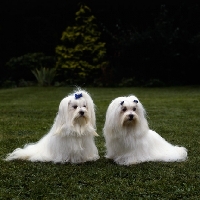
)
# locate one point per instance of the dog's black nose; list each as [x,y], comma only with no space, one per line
[131,116]
[81,113]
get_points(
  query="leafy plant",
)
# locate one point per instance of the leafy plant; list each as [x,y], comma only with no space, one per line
[44,76]
[21,67]
[81,53]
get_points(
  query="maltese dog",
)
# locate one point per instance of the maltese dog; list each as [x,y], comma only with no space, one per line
[129,139]
[70,139]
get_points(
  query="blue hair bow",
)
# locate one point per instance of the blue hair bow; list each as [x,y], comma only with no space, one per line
[122,103]
[136,101]
[77,96]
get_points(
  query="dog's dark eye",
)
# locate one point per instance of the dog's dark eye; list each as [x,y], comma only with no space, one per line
[134,109]
[75,107]
[124,109]
[84,106]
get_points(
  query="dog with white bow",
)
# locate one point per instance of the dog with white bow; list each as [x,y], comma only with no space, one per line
[129,139]
[70,139]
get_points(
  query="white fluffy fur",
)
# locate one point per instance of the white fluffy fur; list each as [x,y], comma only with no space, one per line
[130,141]
[71,138]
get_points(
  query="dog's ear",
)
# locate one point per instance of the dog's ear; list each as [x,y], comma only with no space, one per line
[60,120]
[91,107]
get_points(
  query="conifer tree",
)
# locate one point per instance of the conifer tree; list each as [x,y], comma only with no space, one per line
[82,53]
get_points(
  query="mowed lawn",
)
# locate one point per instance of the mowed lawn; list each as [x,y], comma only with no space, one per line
[26,114]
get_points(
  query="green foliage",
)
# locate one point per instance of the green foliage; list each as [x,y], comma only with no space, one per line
[28,113]
[44,76]
[8,84]
[161,50]
[20,67]
[81,53]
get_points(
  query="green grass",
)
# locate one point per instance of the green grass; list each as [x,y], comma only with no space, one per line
[26,114]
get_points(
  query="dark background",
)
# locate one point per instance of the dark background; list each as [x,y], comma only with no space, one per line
[149,40]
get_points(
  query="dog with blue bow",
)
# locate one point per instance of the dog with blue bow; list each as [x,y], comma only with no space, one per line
[129,140]
[70,139]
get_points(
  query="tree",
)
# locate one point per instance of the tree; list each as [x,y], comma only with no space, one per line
[81,54]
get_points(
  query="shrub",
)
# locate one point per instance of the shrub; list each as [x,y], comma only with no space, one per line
[20,67]
[160,51]
[81,53]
